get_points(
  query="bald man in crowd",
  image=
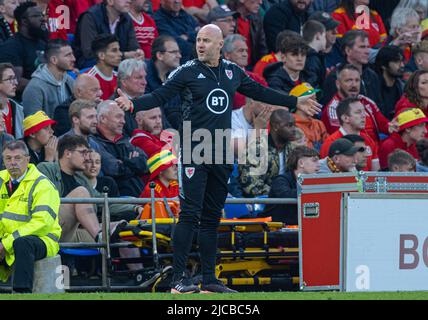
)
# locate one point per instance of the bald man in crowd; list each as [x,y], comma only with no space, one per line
[86,87]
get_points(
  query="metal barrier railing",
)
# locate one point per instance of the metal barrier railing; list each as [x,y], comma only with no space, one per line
[106,246]
[147,200]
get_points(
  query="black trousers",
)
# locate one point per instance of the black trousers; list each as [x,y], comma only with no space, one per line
[202,196]
[27,250]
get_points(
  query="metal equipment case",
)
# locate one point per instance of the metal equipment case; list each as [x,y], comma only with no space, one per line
[320,206]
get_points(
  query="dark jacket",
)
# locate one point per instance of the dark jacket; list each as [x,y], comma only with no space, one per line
[282,16]
[278,78]
[23,52]
[171,111]
[176,26]
[370,86]
[315,64]
[130,123]
[335,56]
[5,32]
[61,117]
[94,22]
[388,107]
[283,186]
[324,5]
[257,39]
[36,158]
[91,141]
[124,170]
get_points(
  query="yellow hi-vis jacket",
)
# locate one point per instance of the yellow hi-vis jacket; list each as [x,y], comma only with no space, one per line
[32,210]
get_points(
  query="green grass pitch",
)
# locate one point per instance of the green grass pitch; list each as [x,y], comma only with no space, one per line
[239,296]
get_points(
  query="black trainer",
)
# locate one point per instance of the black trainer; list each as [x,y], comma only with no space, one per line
[184,286]
[216,287]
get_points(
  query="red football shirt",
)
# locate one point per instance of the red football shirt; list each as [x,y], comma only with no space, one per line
[7,117]
[244,30]
[375,28]
[375,121]
[108,84]
[58,19]
[161,191]
[77,7]
[393,142]
[146,32]
[149,143]
[194,3]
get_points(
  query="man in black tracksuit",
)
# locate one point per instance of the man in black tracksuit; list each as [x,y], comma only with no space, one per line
[207,86]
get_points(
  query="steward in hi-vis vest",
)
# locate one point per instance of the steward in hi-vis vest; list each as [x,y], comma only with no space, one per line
[29,227]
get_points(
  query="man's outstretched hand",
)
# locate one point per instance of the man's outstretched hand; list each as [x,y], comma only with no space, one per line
[308,105]
[123,101]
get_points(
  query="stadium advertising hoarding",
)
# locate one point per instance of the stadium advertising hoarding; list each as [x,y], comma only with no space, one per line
[385,242]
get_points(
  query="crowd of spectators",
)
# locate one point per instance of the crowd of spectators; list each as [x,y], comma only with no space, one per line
[65,84]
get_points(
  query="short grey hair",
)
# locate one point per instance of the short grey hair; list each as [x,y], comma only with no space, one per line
[128,66]
[229,42]
[104,108]
[400,17]
[17,145]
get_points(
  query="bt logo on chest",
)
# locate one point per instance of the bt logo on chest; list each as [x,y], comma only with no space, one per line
[217,101]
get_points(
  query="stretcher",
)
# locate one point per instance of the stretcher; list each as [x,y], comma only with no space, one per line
[252,253]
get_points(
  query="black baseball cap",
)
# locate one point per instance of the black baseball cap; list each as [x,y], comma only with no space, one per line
[220,12]
[325,18]
[343,146]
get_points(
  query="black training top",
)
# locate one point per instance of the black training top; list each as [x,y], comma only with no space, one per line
[207,94]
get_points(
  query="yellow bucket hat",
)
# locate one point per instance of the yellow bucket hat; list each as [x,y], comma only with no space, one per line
[36,122]
[410,118]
